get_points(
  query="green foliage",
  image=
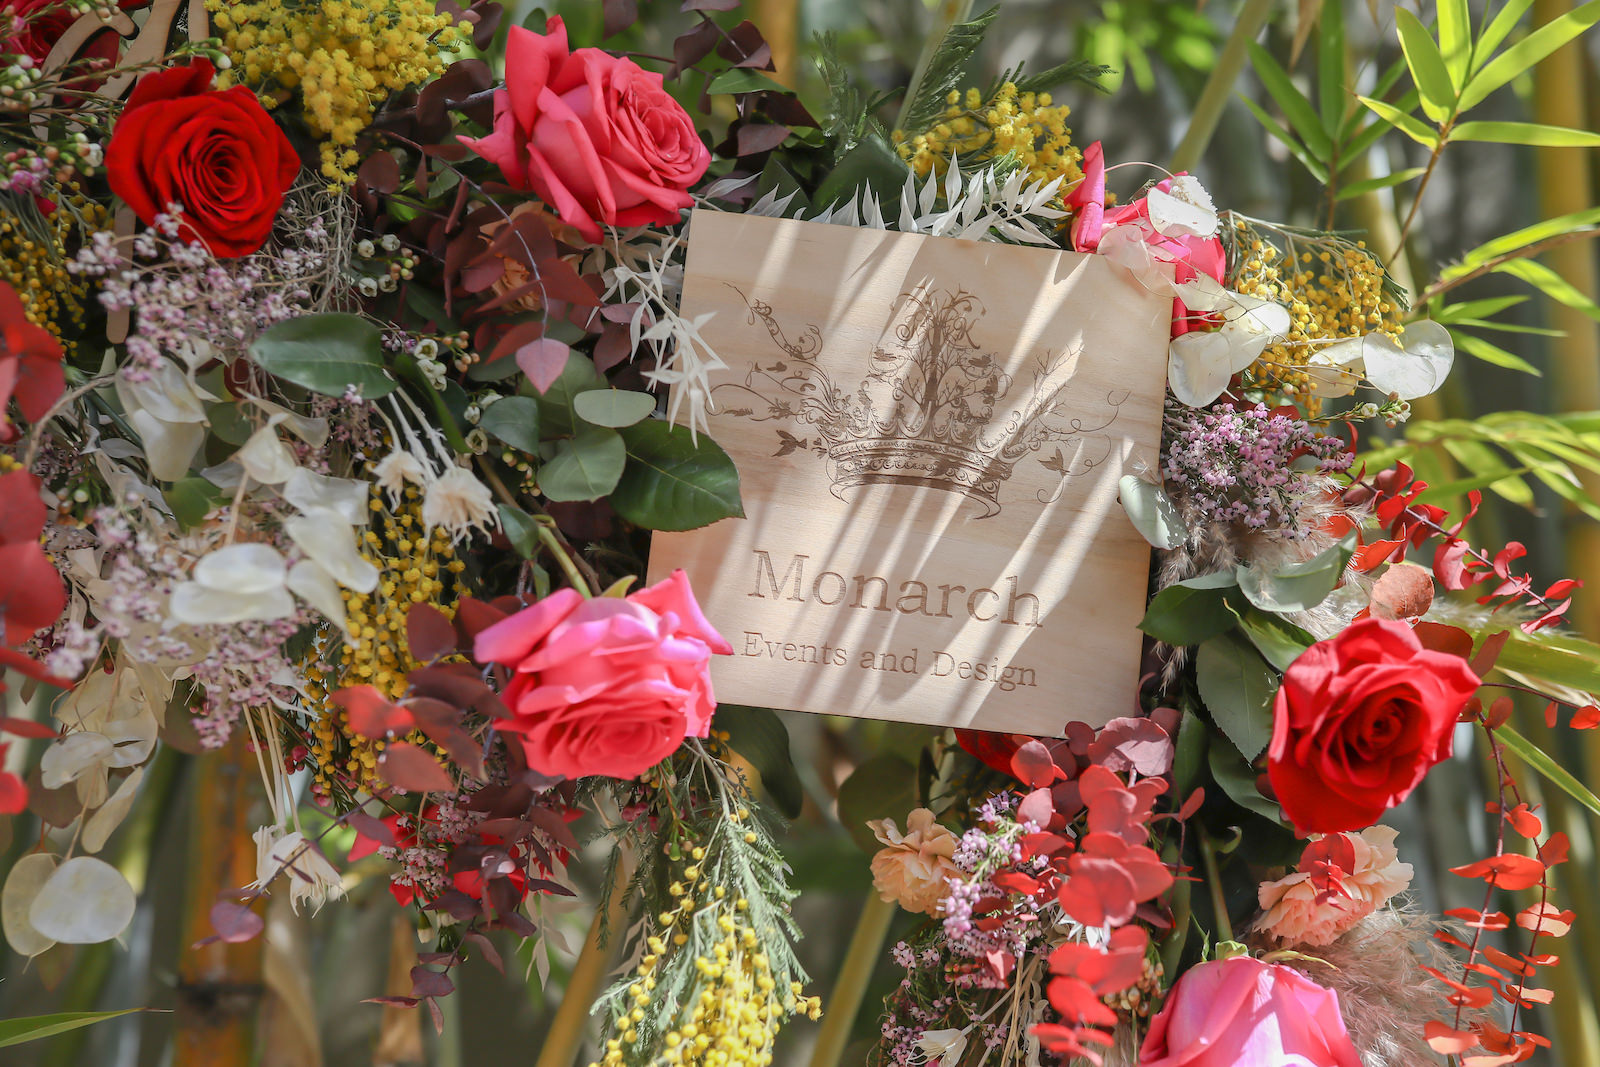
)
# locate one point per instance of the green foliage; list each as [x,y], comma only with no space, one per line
[1297,586]
[1505,451]
[674,481]
[947,71]
[613,408]
[1553,772]
[520,530]
[515,421]
[557,417]
[36,1027]
[883,787]
[759,735]
[586,466]
[1238,688]
[326,353]
[851,114]
[1191,612]
[191,500]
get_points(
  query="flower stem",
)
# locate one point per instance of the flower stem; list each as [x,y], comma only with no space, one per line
[844,1003]
[547,538]
[1219,87]
[1208,856]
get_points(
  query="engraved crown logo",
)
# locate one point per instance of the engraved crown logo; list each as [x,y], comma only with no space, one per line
[934,408]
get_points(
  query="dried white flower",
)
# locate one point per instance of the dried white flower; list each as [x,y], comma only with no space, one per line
[458,503]
[942,1047]
[310,876]
[396,470]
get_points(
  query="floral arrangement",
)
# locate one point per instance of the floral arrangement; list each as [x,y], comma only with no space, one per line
[343,375]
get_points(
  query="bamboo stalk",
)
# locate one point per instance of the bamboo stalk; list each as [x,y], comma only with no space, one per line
[844,1003]
[219,984]
[779,21]
[1564,185]
[1219,86]
[565,1036]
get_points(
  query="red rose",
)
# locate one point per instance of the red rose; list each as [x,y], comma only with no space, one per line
[214,152]
[1359,720]
[606,686]
[594,135]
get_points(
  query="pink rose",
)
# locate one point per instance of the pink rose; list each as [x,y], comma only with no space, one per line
[606,686]
[594,135]
[1241,1012]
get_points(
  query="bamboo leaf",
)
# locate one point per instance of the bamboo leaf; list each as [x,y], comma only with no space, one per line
[1296,149]
[1539,760]
[1427,66]
[1380,89]
[1476,309]
[1332,99]
[1296,108]
[1455,38]
[1478,348]
[1528,51]
[1525,133]
[1409,125]
[1498,29]
[1357,145]
[1372,185]
[1519,239]
[1551,284]
[34,1027]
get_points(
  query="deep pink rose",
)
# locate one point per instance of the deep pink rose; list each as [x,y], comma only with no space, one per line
[1241,1012]
[1191,255]
[606,686]
[594,135]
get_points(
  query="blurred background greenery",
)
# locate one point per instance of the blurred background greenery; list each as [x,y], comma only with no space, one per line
[301,989]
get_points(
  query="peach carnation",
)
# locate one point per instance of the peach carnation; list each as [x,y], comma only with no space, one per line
[911,868]
[1342,878]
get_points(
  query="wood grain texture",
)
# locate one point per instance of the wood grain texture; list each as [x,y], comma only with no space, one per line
[929,434]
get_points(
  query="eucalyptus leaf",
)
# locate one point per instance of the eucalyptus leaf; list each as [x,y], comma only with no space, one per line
[513,420]
[1238,688]
[614,408]
[326,353]
[585,467]
[1298,586]
[1152,512]
[674,481]
[557,416]
[191,500]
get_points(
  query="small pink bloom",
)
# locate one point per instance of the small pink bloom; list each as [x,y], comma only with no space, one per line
[607,686]
[1241,1012]
[595,136]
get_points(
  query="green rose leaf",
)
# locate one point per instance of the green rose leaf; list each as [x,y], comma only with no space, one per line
[615,408]
[1238,687]
[1275,637]
[1191,611]
[585,467]
[520,530]
[1239,782]
[326,353]
[674,482]
[515,421]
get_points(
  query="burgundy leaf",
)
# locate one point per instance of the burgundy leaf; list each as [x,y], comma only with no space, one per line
[370,713]
[458,684]
[456,904]
[380,172]
[235,922]
[542,361]
[426,983]
[490,953]
[414,770]
[554,826]
[709,5]
[753,139]
[442,723]
[620,14]
[428,632]
[393,1002]
[692,46]
[1033,766]
[370,826]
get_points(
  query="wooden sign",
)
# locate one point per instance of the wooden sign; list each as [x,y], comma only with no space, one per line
[929,434]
